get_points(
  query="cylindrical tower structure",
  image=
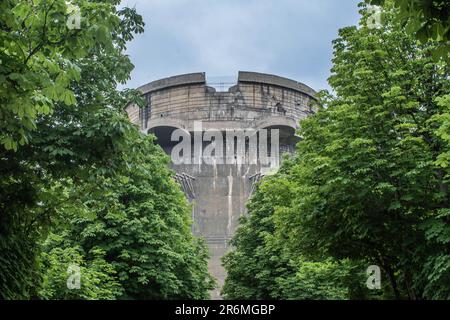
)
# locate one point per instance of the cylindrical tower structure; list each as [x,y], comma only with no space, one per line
[219,182]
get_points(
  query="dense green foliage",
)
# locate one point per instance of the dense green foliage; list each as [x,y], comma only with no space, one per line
[39,52]
[85,187]
[262,268]
[97,276]
[427,20]
[368,184]
[81,186]
[141,223]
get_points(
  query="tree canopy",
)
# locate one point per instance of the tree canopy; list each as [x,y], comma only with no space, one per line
[80,184]
[427,20]
[369,182]
[261,267]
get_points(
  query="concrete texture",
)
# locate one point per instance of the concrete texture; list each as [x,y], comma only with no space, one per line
[219,192]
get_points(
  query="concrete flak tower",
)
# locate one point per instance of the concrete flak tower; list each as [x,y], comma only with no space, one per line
[222,143]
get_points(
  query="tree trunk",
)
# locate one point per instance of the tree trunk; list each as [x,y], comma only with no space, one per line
[393,282]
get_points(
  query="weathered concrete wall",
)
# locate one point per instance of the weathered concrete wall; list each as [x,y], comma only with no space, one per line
[219,191]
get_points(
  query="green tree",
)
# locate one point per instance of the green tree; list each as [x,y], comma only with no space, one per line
[261,268]
[254,266]
[368,184]
[372,167]
[38,178]
[79,171]
[427,20]
[98,279]
[39,54]
[141,221]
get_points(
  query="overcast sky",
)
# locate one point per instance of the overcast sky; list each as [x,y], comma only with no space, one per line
[290,38]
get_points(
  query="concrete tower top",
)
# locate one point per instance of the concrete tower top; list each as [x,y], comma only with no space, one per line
[257,100]
[244,77]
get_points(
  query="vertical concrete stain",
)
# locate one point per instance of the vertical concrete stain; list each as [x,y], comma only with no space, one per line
[230,202]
